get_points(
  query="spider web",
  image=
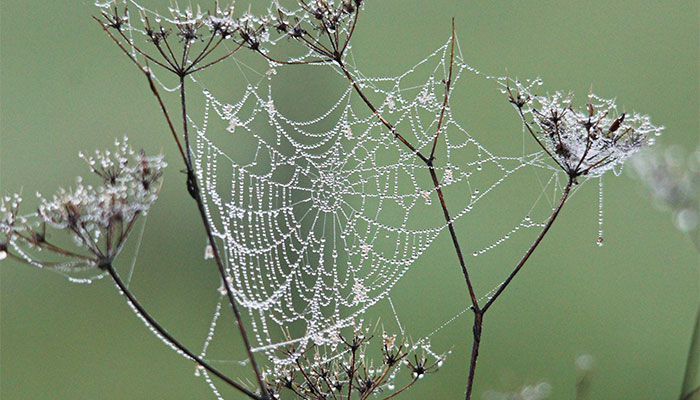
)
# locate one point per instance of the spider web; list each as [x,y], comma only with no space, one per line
[320,218]
[319,223]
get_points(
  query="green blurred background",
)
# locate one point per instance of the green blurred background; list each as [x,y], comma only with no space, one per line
[630,304]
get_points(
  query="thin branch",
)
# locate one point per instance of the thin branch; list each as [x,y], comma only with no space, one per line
[692,393]
[479,315]
[691,368]
[396,393]
[351,372]
[225,56]
[352,30]
[155,325]
[185,125]
[145,55]
[152,85]
[194,190]
[51,247]
[527,125]
[534,245]
[476,342]
[455,241]
[386,123]
[448,82]
[204,51]
[312,387]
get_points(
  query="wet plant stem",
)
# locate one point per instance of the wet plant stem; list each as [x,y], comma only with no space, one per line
[192,184]
[691,369]
[479,313]
[167,336]
[193,188]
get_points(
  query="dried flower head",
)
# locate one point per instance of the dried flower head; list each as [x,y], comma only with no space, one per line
[99,218]
[583,142]
[200,34]
[350,371]
[323,27]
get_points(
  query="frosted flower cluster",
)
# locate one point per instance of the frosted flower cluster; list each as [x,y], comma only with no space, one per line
[583,142]
[323,373]
[99,218]
[129,187]
[189,24]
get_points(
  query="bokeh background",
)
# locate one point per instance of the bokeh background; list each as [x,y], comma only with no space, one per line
[630,304]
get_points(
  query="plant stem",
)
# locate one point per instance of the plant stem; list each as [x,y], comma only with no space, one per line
[193,188]
[691,370]
[479,314]
[155,325]
[528,253]
[476,341]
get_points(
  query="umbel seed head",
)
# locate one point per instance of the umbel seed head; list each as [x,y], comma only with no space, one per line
[584,142]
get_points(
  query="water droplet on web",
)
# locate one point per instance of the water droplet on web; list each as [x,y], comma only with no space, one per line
[600,212]
[208,252]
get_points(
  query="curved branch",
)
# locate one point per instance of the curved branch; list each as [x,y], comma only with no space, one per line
[155,325]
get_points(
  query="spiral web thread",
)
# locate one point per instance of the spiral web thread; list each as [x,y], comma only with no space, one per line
[319,219]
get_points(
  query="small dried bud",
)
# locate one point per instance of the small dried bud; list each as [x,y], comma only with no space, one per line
[616,124]
[348,6]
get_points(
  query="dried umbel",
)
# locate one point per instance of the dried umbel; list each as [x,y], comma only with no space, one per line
[196,36]
[350,370]
[324,27]
[583,142]
[99,218]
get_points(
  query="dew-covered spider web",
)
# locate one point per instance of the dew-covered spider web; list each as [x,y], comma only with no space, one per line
[322,217]
[318,219]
